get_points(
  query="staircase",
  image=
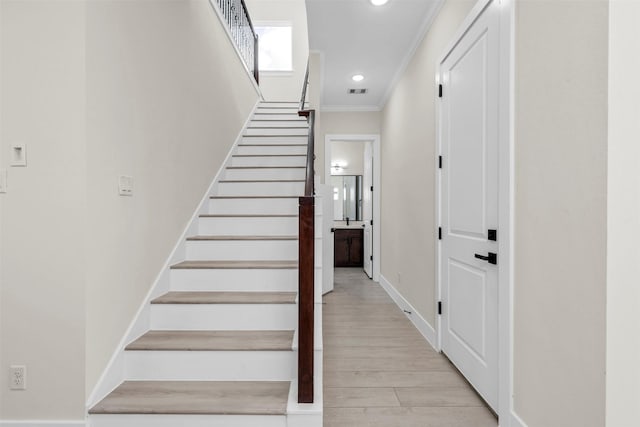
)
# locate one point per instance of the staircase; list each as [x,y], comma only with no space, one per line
[220,350]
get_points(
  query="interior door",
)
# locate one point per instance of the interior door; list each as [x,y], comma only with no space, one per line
[469,204]
[367,207]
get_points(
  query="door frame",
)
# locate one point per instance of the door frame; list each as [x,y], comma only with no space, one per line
[375,140]
[506,174]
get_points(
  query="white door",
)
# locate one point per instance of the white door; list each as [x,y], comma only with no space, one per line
[367,207]
[469,204]
[325,191]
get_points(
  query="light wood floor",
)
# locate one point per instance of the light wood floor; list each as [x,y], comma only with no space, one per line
[380,372]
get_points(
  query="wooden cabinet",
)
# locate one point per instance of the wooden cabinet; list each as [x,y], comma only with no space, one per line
[348,248]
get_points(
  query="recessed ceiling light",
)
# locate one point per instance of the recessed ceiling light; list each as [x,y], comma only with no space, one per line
[357,78]
[378,2]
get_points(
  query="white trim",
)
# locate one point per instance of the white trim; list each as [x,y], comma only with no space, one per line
[223,23]
[422,32]
[505,198]
[516,421]
[506,209]
[427,331]
[321,77]
[32,423]
[349,108]
[113,373]
[376,187]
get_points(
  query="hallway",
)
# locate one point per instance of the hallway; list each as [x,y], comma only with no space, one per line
[380,372]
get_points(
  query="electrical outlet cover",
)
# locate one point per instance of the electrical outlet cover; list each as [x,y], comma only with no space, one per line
[19,155]
[18,377]
[3,180]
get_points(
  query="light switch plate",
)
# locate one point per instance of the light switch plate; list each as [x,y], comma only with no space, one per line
[3,180]
[125,185]
[19,155]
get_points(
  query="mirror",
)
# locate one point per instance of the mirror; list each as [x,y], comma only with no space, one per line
[347,197]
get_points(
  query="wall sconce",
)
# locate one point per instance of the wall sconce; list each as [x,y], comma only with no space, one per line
[338,165]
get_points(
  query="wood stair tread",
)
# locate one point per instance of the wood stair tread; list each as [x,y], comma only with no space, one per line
[239,238]
[254,197]
[259,180]
[208,297]
[266,167]
[248,216]
[269,155]
[188,265]
[196,397]
[213,341]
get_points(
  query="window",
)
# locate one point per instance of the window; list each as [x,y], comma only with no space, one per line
[275,44]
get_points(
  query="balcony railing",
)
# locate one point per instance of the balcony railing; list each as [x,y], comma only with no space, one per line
[236,15]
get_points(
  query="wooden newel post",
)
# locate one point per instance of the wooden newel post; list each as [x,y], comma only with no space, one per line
[306,273]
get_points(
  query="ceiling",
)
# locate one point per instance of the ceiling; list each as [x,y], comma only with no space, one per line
[356,37]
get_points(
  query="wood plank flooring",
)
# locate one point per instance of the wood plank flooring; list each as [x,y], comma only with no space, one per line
[380,372]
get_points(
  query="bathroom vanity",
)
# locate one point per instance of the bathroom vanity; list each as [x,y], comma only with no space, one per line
[348,246]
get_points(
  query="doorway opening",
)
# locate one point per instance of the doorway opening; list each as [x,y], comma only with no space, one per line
[352,169]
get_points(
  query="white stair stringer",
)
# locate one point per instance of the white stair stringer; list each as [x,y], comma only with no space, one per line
[240,251]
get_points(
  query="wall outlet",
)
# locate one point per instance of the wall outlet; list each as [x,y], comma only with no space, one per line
[19,155]
[125,185]
[3,180]
[18,377]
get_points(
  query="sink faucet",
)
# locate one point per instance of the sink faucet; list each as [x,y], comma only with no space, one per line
[347,220]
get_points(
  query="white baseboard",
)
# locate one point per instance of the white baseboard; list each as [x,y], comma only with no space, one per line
[418,321]
[516,421]
[113,374]
[32,423]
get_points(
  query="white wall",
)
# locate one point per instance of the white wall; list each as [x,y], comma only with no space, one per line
[560,212]
[43,215]
[408,220]
[284,86]
[161,108]
[351,152]
[623,217]
[98,89]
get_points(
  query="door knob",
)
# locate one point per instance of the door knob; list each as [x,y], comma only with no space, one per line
[491,258]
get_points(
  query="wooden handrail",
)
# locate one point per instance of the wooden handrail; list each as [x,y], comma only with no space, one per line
[306,263]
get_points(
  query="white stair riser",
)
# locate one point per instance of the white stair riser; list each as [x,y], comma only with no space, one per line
[249,226]
[263,115]
[290,104]
[275,131]
[277,110]
[288,206]
[187,420]
[262,173]
[210,365]
[268,161]
[270,150]
[244,280]
[224,317]
[292,123]
[275,140]
[224,250]
[277,188]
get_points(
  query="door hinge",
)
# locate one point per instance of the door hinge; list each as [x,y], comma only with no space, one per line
[372,188]
[439,307]
[439,233]
[371,257]
[371,222]
[439,91]
[439,162]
